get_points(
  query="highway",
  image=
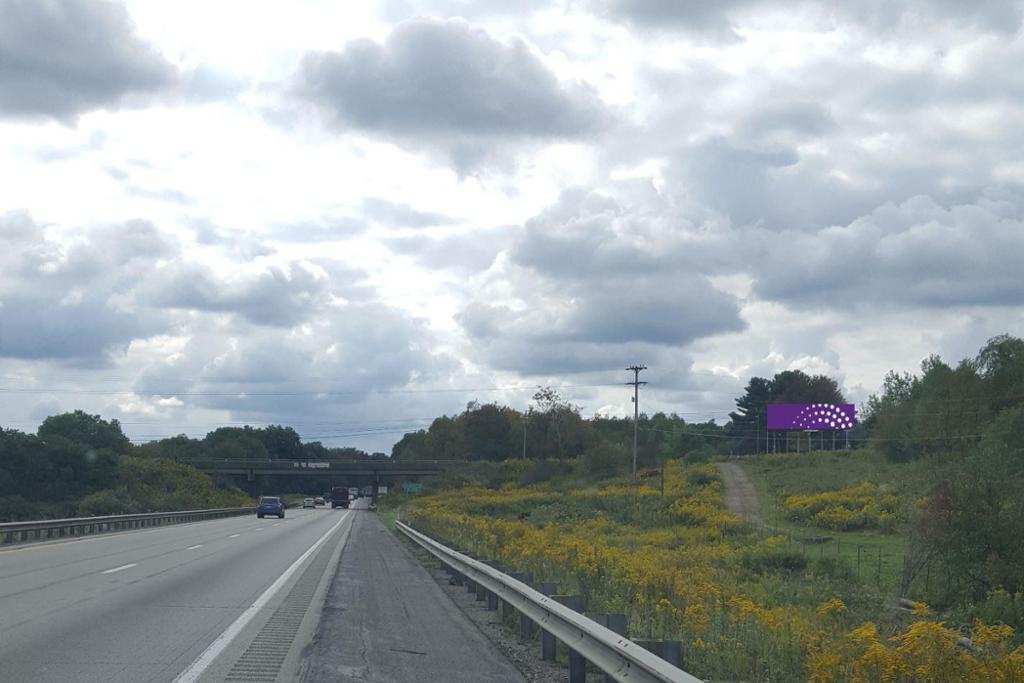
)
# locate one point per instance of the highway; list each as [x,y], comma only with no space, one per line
[321,595]
[144,605]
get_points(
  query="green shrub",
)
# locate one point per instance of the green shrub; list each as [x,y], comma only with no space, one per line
[773,557]
[701,478]
[1003,607]
[108,502]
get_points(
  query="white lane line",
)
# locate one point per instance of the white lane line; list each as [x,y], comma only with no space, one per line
[259,528]
[278,524]
[120,569]
[234,535]
[203,661]
[194,547]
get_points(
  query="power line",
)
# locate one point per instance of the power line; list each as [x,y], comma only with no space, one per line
[246,394]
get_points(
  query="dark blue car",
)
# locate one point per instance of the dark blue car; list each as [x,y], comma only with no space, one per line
[270,505]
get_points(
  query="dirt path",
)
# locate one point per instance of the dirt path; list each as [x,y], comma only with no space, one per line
[740,495]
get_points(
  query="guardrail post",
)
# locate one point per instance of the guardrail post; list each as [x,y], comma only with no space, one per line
[470,584]
[615,623]
[577,664]
[491,598]
[547,641]
[526,627]
[506,609]
[547,646]
[457,579]
[669,650]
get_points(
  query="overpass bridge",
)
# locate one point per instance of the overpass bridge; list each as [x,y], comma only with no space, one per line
[371,472]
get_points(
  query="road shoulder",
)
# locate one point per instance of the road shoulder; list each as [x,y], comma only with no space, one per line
[386,620]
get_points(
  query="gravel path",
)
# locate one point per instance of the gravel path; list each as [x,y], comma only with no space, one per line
[740,495]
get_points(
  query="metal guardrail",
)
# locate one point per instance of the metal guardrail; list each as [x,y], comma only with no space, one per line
[616,655]
[14,532]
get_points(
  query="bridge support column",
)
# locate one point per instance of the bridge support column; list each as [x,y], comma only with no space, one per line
[374,492]
[252,484]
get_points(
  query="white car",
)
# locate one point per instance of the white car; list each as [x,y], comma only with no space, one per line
[308,503]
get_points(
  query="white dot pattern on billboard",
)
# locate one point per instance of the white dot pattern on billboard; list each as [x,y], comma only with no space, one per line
[823,416]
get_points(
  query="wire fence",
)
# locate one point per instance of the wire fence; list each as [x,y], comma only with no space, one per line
[877,564]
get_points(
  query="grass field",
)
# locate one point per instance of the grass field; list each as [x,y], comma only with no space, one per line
[875,556]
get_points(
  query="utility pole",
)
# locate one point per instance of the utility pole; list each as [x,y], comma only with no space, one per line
[636,406]
[526,422]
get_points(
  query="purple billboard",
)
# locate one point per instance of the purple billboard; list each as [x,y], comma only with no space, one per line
[811,416]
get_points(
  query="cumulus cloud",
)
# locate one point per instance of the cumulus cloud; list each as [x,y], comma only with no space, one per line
[274,296]
[82,328]
[913,253]
[719,20]
[466,252]
[708,17]
[601,275]
[67,300]
[60,58]
[597,276]
[449,85]
[342,357]
[243,245]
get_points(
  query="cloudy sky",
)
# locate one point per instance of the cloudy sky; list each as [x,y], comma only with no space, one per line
[352,217]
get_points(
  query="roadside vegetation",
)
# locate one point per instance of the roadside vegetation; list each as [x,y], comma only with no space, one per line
[747,606]
[82,465]
[899,559]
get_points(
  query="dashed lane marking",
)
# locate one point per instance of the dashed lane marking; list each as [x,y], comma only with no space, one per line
[234,535]
[203,661]
[120,569]
[194,547]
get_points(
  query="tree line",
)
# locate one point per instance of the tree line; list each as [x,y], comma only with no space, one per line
[81,464]
[78,464]
[967,420]
[553,427]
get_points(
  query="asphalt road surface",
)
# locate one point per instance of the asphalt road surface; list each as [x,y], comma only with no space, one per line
[144,605]
[385,620]
[325,595]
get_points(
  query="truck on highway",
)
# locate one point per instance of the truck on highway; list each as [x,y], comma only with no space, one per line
[339,497]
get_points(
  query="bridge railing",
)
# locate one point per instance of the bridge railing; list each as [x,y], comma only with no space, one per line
[287,465]
[15,532]
[616,655]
